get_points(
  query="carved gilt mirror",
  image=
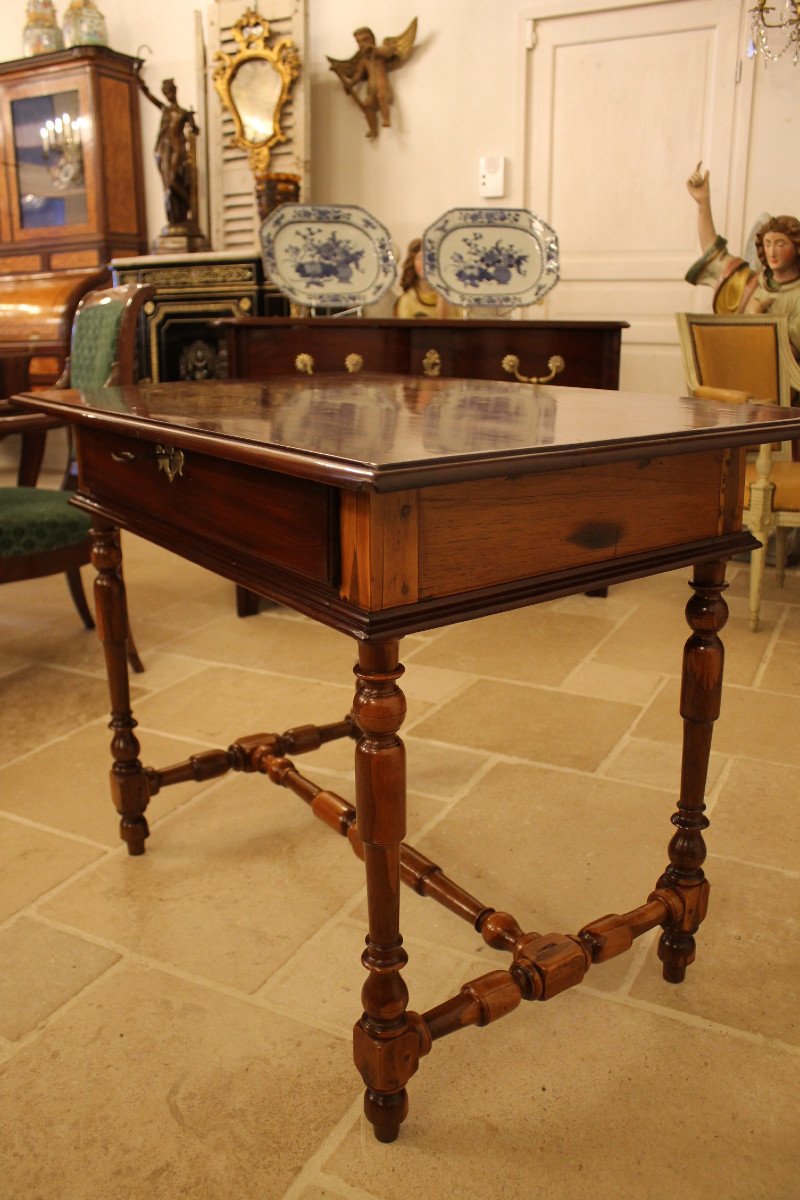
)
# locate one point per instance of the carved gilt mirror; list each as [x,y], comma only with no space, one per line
[254,85]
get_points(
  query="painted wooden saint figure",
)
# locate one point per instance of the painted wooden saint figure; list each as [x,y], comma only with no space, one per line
[368,71]
[765,280]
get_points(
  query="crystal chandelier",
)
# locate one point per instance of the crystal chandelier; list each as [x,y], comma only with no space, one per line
[788,22]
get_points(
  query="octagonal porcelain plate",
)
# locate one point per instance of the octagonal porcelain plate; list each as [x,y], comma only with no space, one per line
[334,255]
[493,257]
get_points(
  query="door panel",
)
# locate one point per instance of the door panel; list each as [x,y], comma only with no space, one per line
[621,104]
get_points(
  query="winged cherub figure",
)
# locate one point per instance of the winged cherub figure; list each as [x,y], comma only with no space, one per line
[370,66]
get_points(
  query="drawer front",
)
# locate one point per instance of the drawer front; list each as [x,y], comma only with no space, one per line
[230,509]
[591,356]
[500,530]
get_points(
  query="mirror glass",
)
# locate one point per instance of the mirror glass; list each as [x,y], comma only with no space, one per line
[255,89]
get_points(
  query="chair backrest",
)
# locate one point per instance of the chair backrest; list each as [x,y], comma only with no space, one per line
[749,357]
[103,347]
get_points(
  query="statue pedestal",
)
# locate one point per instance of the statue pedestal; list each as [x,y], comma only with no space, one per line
[180,239]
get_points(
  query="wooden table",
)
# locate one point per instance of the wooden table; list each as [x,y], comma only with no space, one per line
[385,506]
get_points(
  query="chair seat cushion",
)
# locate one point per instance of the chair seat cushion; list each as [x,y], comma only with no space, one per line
[786,477]
[33,520]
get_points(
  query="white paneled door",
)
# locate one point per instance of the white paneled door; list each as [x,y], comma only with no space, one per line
[621,103]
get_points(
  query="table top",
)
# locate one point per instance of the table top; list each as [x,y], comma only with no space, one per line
[386,433]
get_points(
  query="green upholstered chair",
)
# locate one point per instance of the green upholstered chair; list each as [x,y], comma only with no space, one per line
[41,533]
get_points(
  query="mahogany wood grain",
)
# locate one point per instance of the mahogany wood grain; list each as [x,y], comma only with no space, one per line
[234,507]
[614,510]
[259,347]
[386,506]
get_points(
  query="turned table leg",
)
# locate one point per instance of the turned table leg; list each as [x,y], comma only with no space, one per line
[385,1043]
[703,657]
[129,789]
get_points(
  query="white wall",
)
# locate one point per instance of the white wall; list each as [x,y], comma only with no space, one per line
[459,96]
[454,100]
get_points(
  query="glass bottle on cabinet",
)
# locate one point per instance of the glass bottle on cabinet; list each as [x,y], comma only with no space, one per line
[71,184]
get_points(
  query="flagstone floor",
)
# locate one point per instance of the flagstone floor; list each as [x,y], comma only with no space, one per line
[179,1025]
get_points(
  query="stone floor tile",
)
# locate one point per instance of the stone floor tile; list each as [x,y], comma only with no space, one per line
[531,722]
[656,764]
[39,703]
[653,637]
[755,817]
[33,860]
[226,890]
[219,704]
[782,672]
[547,644]
[323,980]
[552,848]
[748,955]
[42,969]
[581,1099]
[155,1088]
[65,785]
[752,724]
[612,683]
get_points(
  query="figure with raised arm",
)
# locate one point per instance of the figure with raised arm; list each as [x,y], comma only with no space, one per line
[174,152]
[740,287]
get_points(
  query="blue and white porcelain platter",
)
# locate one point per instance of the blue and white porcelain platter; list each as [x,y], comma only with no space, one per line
[492,257]
[333,255]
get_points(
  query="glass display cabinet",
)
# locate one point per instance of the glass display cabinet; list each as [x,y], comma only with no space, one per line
[71,192]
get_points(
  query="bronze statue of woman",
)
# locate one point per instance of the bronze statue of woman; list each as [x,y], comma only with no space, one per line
[175,158]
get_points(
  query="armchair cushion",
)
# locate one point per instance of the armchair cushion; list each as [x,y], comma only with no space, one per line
[786,478]
[33,520]
[724,395]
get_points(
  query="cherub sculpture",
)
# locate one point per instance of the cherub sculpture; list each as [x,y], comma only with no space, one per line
[370,66]
[765,280]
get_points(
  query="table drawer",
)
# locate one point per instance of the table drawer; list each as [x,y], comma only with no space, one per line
[234,509]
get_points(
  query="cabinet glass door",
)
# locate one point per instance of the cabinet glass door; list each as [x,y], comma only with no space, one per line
[48,147]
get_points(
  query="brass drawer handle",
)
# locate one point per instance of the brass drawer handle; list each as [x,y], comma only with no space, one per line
[555,365]
[169,460]
[431,364]
[304,363]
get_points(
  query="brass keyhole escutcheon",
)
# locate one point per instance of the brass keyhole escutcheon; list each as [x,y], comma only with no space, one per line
[170,461]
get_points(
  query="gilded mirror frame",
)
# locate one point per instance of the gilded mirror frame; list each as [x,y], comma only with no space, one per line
[252,34]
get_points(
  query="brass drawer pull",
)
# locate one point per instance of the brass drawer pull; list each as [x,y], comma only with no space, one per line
[169,460]
[555,365]
[431,364]
[304,363]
